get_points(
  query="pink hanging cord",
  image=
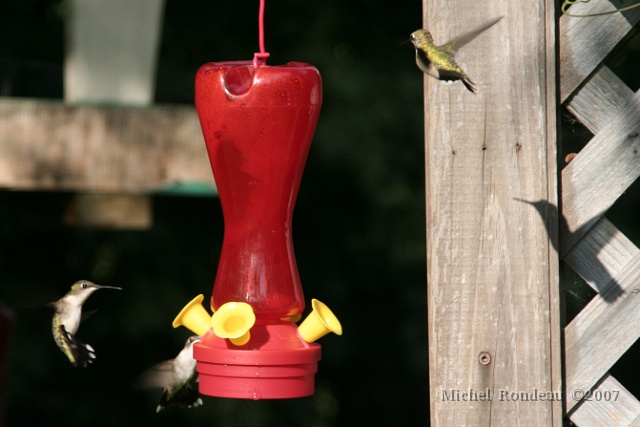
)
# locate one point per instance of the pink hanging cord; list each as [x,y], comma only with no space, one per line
[262,55]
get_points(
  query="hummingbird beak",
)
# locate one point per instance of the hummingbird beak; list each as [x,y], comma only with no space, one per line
[108,287]
[405,42]
[524,201]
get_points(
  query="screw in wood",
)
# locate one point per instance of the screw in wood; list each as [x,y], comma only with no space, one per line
[484,358]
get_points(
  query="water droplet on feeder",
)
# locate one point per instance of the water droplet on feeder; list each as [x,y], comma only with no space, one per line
[217,135]
[281,94]
[243,106]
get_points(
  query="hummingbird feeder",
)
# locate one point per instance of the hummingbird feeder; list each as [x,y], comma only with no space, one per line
[258,122]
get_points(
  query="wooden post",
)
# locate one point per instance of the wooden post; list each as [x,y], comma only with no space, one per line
[492,260]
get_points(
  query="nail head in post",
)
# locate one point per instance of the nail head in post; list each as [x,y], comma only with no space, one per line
[484,358]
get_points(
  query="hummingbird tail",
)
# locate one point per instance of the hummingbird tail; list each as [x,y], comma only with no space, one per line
[85,354]
[469,84]
[185,397]
[79,353]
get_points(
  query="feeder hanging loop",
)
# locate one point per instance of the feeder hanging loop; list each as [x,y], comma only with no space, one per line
[262,55]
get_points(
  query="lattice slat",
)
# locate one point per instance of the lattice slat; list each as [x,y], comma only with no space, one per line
[599,100]
[592,182]
[599,412]
[601,254]
[584,43]
[606,320]
[601,172]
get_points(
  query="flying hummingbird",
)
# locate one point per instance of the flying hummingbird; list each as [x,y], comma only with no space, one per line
[438,61]
[66,322]
[177,377]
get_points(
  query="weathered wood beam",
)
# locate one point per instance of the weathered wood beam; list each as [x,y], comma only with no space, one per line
[493,283]
[49,145]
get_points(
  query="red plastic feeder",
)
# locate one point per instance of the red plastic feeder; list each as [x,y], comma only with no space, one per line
[258,122]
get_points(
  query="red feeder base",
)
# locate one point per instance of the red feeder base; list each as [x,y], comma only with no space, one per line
[275,364]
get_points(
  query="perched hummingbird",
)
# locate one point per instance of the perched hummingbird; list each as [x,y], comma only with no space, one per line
[438,61]
[66,322]
[177,377]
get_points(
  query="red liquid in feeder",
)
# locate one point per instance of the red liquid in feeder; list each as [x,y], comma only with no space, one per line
[258,125]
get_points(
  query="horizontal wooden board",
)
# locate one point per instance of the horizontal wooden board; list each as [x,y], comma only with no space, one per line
[50,145]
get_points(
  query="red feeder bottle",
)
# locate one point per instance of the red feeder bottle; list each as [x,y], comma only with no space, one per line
[258,123]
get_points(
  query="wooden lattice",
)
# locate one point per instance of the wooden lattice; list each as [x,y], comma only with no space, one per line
[591,245]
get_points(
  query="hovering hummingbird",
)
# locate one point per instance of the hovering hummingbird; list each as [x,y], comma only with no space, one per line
[66,322]
[438,61]
[177,377]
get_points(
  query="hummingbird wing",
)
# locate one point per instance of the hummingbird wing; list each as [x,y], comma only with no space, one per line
[87,314]
[78,353]
[425,64]
[452,46]
[158,376]
[161,376]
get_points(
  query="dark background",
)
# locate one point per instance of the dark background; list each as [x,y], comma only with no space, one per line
[358,227]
